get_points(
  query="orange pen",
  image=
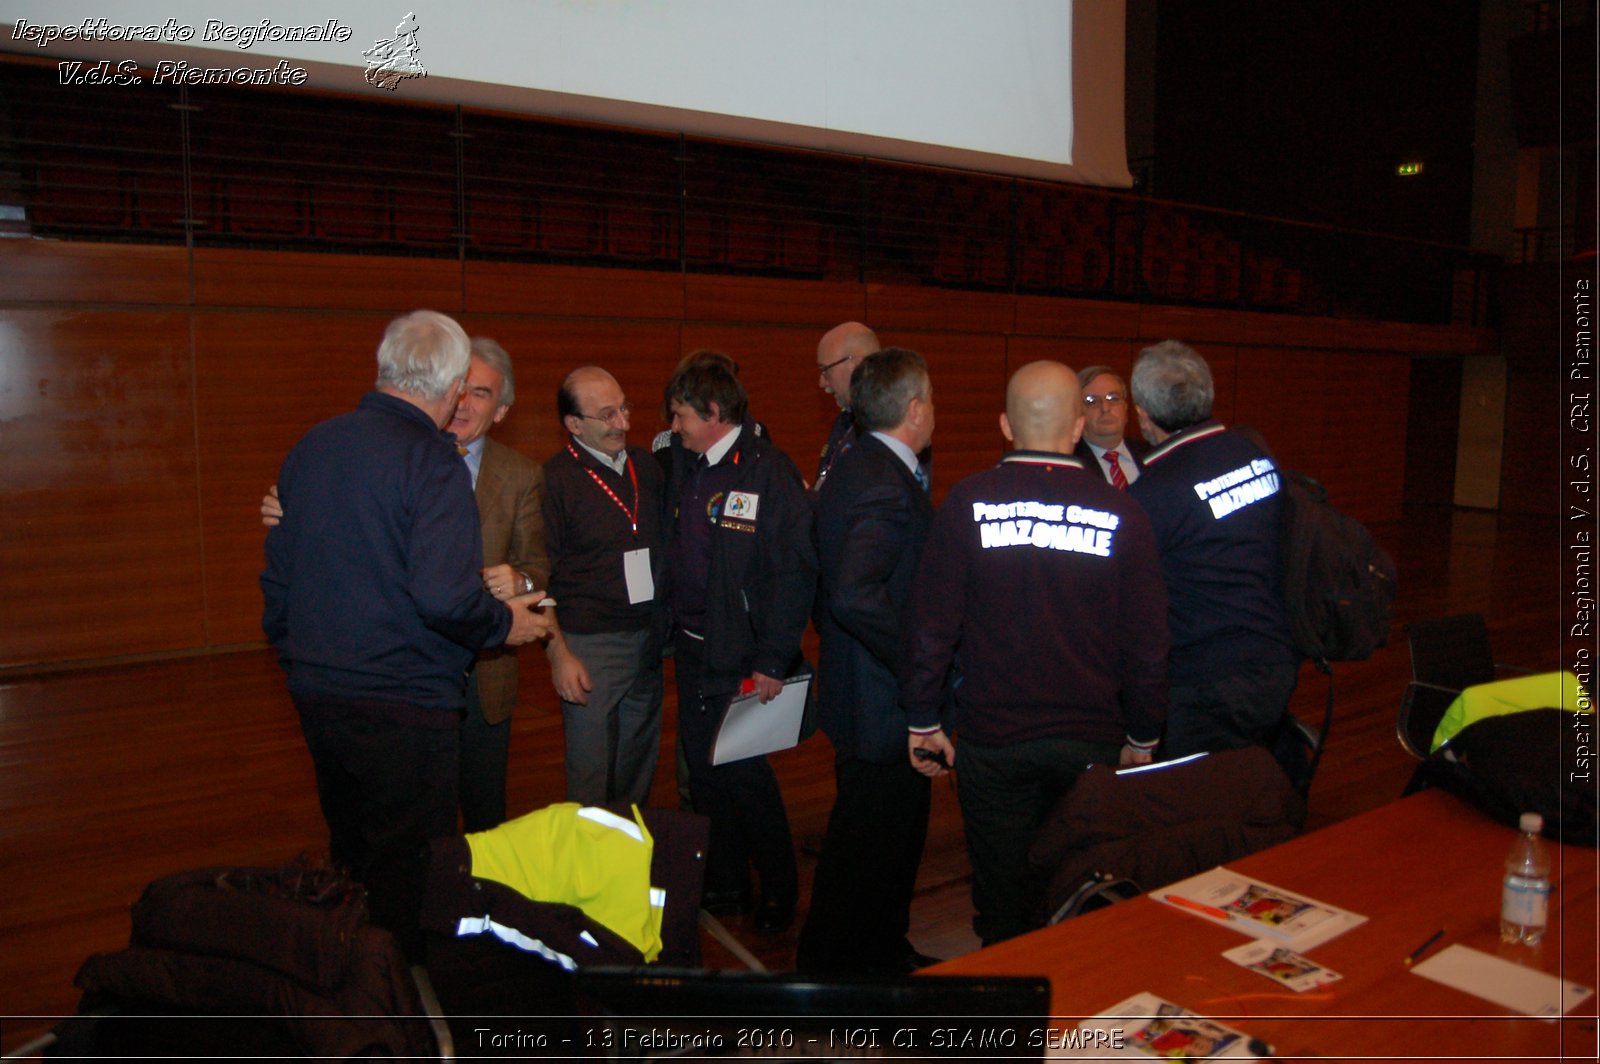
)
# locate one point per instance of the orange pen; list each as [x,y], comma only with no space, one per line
[1209,910]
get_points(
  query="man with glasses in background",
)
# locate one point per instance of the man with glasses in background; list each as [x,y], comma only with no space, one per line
[839,351]
[602,517]
[1105,447]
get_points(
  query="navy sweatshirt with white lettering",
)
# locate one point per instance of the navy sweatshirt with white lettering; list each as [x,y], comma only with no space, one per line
[1212,497]
[1042,582]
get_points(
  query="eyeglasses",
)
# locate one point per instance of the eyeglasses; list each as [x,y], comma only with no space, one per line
[619,415]
[1109,398]
[822,370]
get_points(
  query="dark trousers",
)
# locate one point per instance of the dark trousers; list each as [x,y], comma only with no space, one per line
[1006,792]
[387,785]
[485,757]
[741,798]
[1239,710]
[867,871]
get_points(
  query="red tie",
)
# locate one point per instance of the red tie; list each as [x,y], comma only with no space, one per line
[1119,480]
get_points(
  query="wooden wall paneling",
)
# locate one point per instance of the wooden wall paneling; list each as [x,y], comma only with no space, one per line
[969,385]
[713,297]
[571,291]
[1281,394]
[918,307]
[264,379]
[48,271]
[1200,328]
[1224,362]
[1364,398]
[235,278]
[1077,352]
[99,534]
[1055,316]
[779,368]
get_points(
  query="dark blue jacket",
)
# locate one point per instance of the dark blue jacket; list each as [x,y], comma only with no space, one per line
[371,584]
[1212,498]
[763,572]
[1042,581]
[872,520]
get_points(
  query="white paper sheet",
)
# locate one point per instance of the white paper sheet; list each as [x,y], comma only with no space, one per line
[1526,991]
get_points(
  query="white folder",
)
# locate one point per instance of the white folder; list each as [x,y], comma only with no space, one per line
[751,728]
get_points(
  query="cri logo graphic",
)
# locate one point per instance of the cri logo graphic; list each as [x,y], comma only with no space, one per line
[389,62]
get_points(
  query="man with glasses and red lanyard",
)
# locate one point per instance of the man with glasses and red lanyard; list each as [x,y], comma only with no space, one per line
[602,518]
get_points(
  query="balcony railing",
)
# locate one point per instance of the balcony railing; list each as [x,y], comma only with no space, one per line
[211,166]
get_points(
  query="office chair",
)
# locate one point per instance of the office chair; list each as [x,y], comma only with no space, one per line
[1448,655]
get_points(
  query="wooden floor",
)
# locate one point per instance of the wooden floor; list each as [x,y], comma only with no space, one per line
[114,776]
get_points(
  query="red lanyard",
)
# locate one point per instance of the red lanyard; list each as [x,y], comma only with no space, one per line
[631,515]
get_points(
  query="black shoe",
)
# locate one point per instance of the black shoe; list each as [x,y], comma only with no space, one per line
[773,917]
[725,902]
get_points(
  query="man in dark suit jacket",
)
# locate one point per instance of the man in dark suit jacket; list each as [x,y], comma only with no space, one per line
[1105,426]
[873,514]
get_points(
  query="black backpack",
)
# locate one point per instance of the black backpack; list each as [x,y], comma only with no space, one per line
[1338,590]
[1338,584]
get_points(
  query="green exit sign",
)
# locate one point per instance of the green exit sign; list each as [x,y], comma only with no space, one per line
[1408,169]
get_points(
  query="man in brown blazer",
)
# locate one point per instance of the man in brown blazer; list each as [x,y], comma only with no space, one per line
[510,492]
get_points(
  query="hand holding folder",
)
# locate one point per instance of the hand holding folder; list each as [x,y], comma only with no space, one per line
[752,727]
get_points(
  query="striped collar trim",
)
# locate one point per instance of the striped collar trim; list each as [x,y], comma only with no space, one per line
[1188,436]
[1045,458]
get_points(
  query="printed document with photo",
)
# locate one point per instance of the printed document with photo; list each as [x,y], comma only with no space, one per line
[1259,909]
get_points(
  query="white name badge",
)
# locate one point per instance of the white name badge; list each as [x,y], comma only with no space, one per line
[636,570]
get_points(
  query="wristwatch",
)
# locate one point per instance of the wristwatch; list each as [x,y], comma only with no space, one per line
[525,583]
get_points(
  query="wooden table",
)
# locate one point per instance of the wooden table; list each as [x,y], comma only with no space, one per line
[1411,867]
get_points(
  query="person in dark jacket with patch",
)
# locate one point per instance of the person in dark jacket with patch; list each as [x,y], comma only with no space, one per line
[741,577]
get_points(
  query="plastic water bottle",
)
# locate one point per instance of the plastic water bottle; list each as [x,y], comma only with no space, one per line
[1525,892]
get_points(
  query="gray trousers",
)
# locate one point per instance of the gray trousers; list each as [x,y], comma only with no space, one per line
[613,741]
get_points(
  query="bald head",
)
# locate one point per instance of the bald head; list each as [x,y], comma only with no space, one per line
[593,408]
[839,351]
[1044,408]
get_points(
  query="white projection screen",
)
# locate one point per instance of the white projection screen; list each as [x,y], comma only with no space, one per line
[1026,87]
